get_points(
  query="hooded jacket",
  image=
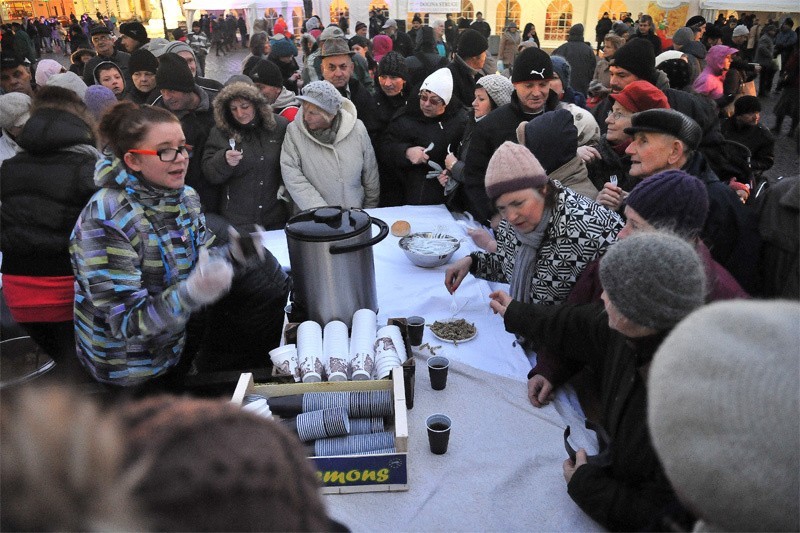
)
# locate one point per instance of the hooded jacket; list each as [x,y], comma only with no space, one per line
[132,249]
[249,192]
[120,58]
[696,54]
[343,172]
[411,128]
[711,80]
[104,65]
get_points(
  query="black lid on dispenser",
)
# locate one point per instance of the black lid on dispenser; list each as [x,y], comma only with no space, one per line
[329,223]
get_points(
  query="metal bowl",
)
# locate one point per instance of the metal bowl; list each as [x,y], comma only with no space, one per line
[429,250]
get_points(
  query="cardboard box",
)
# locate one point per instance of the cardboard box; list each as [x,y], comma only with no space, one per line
[351,473]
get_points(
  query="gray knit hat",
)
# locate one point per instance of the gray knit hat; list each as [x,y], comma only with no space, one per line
[683,36]
[15,110]
[498,87]
[654,279]
[723,399]
[512,168]
[323,95]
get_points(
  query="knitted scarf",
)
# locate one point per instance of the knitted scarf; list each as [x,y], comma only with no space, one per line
[525,258]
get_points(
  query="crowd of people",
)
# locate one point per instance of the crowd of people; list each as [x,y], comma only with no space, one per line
[621,191]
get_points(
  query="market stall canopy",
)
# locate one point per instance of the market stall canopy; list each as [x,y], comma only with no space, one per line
[252,9]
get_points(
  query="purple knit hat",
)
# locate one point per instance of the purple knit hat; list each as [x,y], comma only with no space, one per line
[672,200]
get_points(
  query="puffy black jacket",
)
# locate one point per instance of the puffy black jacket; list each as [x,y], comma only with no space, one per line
[44,190]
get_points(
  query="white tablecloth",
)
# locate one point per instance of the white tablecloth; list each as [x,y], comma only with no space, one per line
[503,470]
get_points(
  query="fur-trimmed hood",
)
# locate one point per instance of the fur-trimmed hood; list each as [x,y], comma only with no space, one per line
[222,115]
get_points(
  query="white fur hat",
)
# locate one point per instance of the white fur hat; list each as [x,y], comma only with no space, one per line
[440,83]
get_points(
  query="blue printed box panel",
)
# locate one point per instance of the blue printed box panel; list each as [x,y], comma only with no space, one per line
[360,470]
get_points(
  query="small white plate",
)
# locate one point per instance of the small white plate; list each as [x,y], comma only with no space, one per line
[451,341]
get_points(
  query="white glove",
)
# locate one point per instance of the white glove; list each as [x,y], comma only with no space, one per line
[210,280]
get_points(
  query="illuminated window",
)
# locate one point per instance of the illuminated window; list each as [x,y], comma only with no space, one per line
[510,7]
[616,9]
[467,11]
[380,6]
[558,20]
[339,8]
[297,20]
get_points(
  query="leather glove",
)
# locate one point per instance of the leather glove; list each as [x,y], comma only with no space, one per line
[243,248]
[210,280]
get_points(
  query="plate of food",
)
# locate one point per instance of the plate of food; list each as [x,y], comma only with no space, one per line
[454,330]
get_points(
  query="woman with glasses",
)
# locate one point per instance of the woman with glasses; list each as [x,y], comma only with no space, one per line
[422,134]
[139,253]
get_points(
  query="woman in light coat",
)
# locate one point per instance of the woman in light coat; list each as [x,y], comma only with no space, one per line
[327,157]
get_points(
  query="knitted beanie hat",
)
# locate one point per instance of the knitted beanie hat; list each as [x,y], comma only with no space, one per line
[641,95]
[142,61]
[672,200]
[669,122]
[741,31]
[532,64]
[723,398]
[637,57]
[284,48]
[746,104]
[393,64]
[440,83]
[172,48]
[98,99]
[135,30]
[360,25]
[381,45]
[683,36]
[359,40]
[512,168]
[654,279]
[471,44]
[266,72]
[562,68]
[323,95]
[15,110]
[678,72]
[551,137]
[173,74]
[205,468]
[498,87]
[71,81]
[45,69]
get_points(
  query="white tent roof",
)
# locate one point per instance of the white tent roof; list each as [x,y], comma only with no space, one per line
[252,8]
[780,6]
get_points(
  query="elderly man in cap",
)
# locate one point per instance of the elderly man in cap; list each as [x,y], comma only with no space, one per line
[533,70]
[15,75]
[312,69]
[665,139]
[268,80]
[134,36]
[401,42]
[104,46]
[337,68]
[467,63]
[650,281]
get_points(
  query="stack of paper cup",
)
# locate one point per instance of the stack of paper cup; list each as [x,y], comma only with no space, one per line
[335,350]
[362,344]
[386,352]
[309,349]
[285,360]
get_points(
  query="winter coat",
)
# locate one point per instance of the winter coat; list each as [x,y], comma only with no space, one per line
[343,173]
[412,128]
[386,109]
[421,65]
[580,57]
[711,79]
[778,223]
[493,130]
[250,189]
[602,72]
[631,490]
[44,189]
[695,53]
[765,51]
[602,29]
[612,162]
[287,70]
[364,103]
[402,44]
[509,47]
[464,78]
[758,139]
[578,232]
[652,38]
[132,249]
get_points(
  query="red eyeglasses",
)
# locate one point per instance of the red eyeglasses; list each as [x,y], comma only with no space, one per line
[167,155]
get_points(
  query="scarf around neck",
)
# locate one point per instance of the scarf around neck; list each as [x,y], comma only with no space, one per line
[525,258]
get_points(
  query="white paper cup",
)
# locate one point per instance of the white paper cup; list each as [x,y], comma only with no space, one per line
[309,346]
[285,360]
[361,375]
[311,377]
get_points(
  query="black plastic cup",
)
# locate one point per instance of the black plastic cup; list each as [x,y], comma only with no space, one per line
[437,368]
[438,433]
[416,327]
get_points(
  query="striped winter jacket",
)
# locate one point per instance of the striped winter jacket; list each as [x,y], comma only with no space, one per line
[132,248]
[580,231]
